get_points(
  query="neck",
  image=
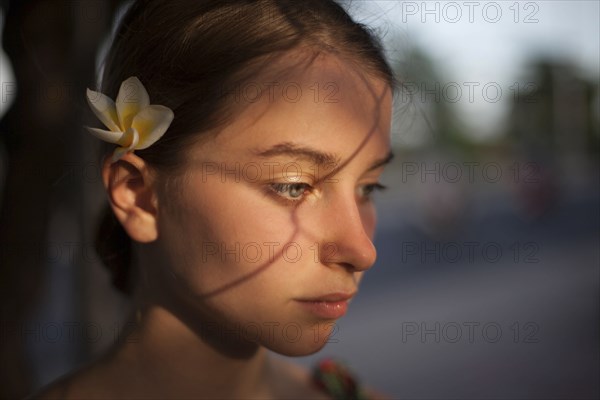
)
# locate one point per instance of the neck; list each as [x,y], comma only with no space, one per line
[169,359]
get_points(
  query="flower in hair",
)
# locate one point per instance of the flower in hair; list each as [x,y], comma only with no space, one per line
[133,122]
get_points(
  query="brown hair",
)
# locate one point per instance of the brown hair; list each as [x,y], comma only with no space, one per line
[186,52]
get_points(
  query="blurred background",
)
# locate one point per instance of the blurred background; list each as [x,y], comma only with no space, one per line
[487,279]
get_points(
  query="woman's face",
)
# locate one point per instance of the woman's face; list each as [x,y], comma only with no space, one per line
[275,210]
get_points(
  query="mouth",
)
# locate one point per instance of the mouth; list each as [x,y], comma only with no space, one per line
[329,306]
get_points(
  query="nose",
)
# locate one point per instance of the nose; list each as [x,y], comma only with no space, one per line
[347,231]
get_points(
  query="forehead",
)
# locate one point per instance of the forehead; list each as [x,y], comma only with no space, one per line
[323,102]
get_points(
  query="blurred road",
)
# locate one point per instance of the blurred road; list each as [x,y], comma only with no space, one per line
[506,307]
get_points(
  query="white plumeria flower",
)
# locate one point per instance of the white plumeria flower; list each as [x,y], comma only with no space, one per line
[134,123]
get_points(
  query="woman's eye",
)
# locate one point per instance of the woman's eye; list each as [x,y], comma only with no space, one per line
[291,191]
[367,190]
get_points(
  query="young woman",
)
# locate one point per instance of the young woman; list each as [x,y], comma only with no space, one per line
[250,135]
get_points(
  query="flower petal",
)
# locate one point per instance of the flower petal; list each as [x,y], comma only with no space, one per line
[104,108]
[151,123]
[107,136]
[132,98]
[135,138]
[132,137]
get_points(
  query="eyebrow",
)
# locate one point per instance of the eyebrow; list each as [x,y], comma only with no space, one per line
[290,149]
[381,162]
[316,156]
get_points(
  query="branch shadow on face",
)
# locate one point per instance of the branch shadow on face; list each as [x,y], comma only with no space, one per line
[196,319]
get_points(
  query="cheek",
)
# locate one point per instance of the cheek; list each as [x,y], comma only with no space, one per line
[225,232]
[225,250]
[368,216]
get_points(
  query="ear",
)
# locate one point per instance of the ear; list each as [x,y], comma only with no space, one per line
[128,183]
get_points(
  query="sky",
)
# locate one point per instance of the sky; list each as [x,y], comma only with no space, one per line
[489,43]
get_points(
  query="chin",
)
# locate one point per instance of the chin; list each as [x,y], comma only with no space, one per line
[302,342]
[296,349]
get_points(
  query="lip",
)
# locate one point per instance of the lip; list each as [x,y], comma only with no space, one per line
[331,297]
[329,306]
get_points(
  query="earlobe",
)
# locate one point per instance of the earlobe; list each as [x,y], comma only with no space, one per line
[128,183]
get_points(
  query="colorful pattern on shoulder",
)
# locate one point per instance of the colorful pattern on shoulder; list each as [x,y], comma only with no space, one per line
[335,379]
